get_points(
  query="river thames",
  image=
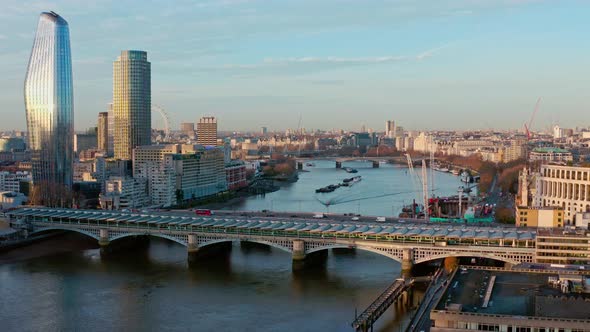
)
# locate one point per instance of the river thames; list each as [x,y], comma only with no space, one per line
[63,284]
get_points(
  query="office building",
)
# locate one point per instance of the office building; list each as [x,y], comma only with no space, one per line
[111,130]
[131,102]
[543,217]
[10,181]
[563,246]
[84,142]
[263,131]
[551,155]
[207,131]
[566,187]
[49,103]
[12,144]
[103,132]
[390,128]
[512,301]
[188,128]
[235,173]
[199,172]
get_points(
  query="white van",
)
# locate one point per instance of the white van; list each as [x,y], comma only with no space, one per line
[319,216]
[380,219]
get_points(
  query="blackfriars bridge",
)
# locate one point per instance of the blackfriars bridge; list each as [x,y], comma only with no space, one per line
[403,242]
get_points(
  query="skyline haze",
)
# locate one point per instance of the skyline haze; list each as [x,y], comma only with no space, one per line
[255,63]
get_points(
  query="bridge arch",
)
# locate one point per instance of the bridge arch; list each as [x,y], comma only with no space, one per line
[474,255]
[94,235]
[369,249]
[268,243]
[158,235]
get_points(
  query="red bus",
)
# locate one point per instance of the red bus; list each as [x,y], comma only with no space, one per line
[203,212]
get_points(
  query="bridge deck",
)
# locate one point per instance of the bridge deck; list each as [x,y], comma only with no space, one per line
[431,234]
[368,317]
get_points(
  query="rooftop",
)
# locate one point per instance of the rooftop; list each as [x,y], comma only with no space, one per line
[514,294]
[550,150]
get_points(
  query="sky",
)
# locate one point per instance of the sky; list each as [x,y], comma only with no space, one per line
[440,64]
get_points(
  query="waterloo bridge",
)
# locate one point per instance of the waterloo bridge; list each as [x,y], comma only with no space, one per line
[406,243]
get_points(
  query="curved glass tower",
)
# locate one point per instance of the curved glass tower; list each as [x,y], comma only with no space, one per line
[49,102]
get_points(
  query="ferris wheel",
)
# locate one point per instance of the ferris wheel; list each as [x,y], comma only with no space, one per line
[159,109]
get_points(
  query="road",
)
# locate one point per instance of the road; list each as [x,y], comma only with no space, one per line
[421,320]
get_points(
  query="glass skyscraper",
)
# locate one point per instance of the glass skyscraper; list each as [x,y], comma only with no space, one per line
[49,102]
[132,103]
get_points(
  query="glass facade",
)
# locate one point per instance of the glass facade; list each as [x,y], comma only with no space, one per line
[131,103]
[49,102]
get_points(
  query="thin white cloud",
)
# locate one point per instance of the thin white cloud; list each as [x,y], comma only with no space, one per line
[336,60]
[429,53]
[3,37]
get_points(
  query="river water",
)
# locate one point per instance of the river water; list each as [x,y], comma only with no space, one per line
[63,284]
[383,191]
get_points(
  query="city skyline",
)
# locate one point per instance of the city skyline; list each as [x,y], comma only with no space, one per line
[371,62]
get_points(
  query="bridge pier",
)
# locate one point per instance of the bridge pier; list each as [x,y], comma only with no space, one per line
[300,165]
[192,248]
[303,260]
[338,164]
[407,261]
[298,250]
[104,241]
[375,164]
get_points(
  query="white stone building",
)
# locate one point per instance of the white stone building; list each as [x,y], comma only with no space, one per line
[563,186]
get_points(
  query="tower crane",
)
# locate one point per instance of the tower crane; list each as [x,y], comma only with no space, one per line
[527,127]
[425,188]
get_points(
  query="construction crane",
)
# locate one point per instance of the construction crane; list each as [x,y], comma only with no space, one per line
[527,127]
[425,188]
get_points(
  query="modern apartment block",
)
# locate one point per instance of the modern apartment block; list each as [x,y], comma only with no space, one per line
[150,163]
[49,102]
[123,192]
[131,103]
[207,131]
[180,172]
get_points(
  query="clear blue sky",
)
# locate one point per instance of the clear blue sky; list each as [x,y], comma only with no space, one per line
[426,64]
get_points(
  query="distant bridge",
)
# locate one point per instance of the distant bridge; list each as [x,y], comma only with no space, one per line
[405,243]
[374,160]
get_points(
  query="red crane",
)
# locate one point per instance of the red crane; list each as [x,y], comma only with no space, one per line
[527,128]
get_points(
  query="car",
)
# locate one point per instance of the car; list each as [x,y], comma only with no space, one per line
[380,219]
[355,218]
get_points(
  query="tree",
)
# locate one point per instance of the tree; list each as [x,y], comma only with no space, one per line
[505,215]
[50,194]
[451,263]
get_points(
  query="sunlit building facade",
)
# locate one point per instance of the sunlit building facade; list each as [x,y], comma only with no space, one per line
[131,102]
[103,132]
[49,102]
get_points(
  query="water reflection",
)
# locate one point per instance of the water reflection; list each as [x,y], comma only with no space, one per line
[251,287]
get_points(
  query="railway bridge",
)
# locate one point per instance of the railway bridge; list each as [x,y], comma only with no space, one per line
[406,243]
